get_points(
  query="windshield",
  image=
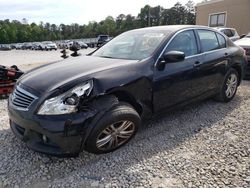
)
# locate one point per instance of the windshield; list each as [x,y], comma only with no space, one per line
[135,45]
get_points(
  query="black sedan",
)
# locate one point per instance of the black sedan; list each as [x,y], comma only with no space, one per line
[97,102]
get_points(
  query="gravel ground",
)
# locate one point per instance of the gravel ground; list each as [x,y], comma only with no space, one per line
[202,145]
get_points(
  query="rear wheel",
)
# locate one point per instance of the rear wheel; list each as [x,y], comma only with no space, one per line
[229,87]
[113,130]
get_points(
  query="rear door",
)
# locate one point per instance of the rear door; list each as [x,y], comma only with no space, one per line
[214,60]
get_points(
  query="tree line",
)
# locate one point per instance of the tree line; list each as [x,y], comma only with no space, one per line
[20,31]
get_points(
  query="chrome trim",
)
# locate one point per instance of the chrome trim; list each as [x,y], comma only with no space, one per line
[27,101]
[188,57]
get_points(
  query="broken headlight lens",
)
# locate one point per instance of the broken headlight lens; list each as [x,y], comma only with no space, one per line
[66,103]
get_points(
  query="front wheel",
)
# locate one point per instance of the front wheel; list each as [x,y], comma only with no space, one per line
[113,130]
[229,87]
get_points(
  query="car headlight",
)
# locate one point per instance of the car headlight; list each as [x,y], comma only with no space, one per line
[66,103]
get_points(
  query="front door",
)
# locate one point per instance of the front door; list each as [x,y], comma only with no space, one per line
[175,83]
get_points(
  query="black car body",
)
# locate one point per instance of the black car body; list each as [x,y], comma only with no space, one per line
[138,88]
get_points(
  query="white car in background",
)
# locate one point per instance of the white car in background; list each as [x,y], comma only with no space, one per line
[245,43]
[229,32]
[48,45]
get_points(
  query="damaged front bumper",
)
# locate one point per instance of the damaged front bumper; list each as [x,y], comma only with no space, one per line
[60,135]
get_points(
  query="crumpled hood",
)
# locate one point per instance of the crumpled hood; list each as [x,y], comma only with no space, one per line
[244,42]
[54,75]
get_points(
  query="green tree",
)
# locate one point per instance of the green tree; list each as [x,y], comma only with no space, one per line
[21,31]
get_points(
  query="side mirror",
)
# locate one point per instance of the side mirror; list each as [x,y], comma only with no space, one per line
[170,57]
[173,56]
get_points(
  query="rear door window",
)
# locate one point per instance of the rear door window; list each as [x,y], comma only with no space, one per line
[208,40]
[222,40]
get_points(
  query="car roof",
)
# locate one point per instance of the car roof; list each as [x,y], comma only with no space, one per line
[172,28]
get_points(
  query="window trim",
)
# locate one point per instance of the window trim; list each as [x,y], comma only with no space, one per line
[170,40]
[196,42]
[200,52]
[217,13]
[216,33]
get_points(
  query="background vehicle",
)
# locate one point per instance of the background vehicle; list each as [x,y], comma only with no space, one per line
[83,45]
[47,45]
[26,46]
[245,43]
[18,46]
[5,47]
[102,39]
[36,46]
[230,33]
[97,102]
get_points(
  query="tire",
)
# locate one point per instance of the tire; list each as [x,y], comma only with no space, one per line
[223,95]
[118,117]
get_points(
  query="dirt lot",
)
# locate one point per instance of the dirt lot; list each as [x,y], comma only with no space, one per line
[27,59]
[202,145]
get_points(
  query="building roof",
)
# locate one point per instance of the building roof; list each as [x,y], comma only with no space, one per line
[208,2]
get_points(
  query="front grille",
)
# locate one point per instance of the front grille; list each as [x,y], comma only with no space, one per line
[22,99]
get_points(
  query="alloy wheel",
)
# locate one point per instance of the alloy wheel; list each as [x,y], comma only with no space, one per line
[115,135]
[231,84]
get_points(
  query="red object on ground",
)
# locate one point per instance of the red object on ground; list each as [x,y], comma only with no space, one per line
[8,78]
[6,87]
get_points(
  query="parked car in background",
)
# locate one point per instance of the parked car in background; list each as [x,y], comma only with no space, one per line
[18,46]
[245,43]
[83,45]
[12,46]
[26,46]
[97,102]
[230,33]
[36,46]
[48,45]
[5,47]
[102,39]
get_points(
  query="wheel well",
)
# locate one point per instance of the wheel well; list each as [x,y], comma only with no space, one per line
[124,96]
[238,69]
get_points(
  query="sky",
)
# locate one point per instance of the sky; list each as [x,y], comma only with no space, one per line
[75,11]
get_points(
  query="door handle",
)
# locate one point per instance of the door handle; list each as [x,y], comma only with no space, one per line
[197,64]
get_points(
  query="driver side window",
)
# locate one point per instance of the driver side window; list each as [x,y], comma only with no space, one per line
[184,42]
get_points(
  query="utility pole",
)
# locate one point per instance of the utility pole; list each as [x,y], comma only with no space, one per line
[149,17]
